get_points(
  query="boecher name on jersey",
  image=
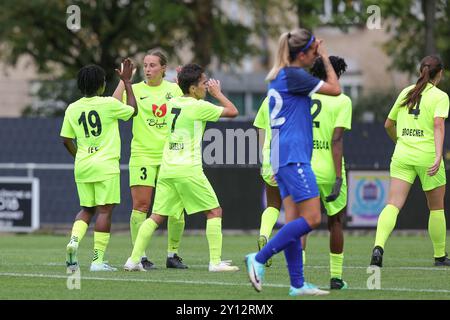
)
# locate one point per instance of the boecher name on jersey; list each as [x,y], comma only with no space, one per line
[412,132]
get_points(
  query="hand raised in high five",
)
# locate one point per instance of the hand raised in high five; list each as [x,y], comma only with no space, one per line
[126,71]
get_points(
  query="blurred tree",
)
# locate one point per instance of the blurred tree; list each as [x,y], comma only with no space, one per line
[111,30]
[417,27]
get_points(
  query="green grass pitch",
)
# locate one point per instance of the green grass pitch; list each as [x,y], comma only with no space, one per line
[32,267]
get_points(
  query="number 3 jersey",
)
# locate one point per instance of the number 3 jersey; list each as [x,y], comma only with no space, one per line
[290,113]
[150,124]
[415,126]
[328,112]
[93,122]
[186,123]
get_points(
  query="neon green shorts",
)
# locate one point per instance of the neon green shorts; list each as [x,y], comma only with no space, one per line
[99,193]
[143,175]
[408,173]
[194,194]
[337,205]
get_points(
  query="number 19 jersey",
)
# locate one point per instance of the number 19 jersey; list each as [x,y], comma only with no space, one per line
[415,126]
[93,123]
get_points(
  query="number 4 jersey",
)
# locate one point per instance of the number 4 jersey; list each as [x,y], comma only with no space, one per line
[93,123]
[415,126]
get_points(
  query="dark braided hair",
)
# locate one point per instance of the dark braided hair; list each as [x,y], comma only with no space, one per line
[430,66]
[338,63]
[189,75]
[90,79]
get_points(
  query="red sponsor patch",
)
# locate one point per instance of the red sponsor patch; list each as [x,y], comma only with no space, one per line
[159,111]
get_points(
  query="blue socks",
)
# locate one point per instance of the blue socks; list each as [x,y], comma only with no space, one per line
[288,239]
[294,259]
[287,235]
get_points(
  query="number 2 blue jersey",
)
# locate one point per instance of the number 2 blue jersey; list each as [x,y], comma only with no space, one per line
[290,116]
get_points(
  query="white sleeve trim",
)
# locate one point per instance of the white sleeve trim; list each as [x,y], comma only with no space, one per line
[316,88]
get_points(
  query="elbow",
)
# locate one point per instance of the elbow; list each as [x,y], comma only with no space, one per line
[336,91]
[234,113]
[388,124]
[65,141]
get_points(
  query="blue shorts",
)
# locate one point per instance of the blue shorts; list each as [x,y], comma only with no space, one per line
[297,180]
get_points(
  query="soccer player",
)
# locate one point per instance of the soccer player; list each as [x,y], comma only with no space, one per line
[149,135]
[273,199]
[416,124]
[331,116]
[93,122]
[182,183]
[290,91]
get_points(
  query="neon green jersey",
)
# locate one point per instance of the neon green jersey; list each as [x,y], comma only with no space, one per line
[93,123]
[415,126]
[150,124]
[328,112]
[262,121]
[186,122]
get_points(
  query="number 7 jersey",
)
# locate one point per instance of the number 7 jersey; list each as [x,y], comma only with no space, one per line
[93,122]
[415,126]
[186,121]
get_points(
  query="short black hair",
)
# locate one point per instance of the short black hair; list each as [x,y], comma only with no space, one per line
[189,75]
[90,79]
[338,63]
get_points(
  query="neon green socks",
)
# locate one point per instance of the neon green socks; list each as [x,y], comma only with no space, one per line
[336,264]
[386,223]
[175,229]
[101,240]
[79,229]
[136,220]
[143,238]
[214,236]
[437,230]
[268,220]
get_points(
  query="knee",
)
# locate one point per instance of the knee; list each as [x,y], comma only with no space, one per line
[314,220]
[215,213]
[141,205]
[158,219]
[334,222]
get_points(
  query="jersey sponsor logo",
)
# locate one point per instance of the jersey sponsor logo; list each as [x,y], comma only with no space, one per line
[169,96]
[412,132]
[176,146]
[158,123]
[159,111]
[320,145]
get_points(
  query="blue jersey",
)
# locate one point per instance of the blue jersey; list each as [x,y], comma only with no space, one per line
[290,114]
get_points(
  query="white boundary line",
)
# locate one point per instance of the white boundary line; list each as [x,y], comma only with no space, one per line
[60,264]
[244,284]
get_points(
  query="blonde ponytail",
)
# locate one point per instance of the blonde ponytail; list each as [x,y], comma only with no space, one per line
[290,45]
[282,57]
